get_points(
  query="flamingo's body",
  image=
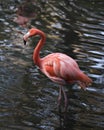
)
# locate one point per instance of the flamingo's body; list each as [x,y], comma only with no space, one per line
[58,67]
[62,69]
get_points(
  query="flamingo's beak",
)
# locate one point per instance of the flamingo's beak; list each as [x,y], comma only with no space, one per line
[25,37]
[24,42]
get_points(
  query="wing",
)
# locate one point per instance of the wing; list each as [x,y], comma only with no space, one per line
[70,72]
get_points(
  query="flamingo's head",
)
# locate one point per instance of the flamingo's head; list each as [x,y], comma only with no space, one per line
[30,33]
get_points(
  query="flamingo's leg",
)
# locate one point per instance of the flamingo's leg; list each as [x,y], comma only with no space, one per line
[65,98]
[60,96]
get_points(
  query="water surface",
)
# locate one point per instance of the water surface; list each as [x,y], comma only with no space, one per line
[28,100]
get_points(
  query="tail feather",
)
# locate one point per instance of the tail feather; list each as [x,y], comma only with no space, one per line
[84,80]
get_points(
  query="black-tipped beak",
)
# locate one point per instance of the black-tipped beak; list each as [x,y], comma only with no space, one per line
[24,42]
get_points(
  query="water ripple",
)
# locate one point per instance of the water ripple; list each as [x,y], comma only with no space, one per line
[28,100]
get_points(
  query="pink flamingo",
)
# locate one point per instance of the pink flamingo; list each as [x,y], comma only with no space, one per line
[58,67]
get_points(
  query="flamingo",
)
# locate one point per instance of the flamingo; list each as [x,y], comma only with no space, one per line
[58,67]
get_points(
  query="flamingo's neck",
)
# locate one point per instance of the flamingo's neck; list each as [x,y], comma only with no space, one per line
[36,56]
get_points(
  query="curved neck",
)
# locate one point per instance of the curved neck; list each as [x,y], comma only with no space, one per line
[36,56]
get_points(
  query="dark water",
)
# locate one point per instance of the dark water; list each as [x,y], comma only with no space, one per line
[28,100]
